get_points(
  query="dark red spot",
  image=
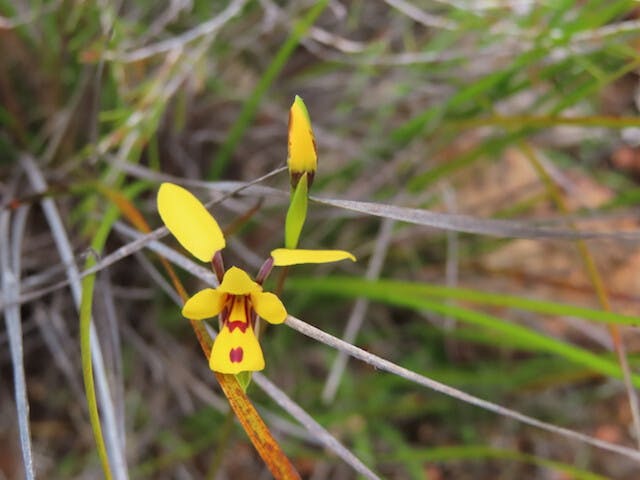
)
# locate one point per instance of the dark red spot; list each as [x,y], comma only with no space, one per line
[236,354]
[238,324]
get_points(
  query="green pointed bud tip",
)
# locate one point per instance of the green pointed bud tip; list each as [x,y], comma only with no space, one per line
[298,102]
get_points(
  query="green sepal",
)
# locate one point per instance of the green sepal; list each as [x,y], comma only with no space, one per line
[297,213]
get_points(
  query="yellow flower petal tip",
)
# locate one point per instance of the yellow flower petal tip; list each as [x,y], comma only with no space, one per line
[237,282]
[236,351]
[189,221]
[283,257]
[302,146]
[206,303]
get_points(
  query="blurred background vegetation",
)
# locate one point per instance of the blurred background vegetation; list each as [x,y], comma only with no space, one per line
[509,109]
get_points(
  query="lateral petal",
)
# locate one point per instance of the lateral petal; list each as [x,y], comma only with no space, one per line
[268,306]
[206,303]
[283,257]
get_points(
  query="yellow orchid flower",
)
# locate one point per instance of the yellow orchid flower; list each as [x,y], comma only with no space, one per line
[238,300]
[236,348]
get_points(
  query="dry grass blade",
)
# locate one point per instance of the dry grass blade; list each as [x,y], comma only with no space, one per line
[382,364]
[180,42]
[468,224]
[356,318]
[105,287]
[114,448]
[420,16]
[10,250]
[229,188]
[169,253]
[319,433]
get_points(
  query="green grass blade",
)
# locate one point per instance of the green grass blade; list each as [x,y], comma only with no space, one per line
[86,303]
[250,107]
[483,298]
[87,368]
[475,452]
[412,296]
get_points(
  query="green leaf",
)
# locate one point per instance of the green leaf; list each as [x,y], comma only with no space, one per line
[86,306]
[297,214]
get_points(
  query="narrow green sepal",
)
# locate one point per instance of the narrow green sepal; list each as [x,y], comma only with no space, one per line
[297,213]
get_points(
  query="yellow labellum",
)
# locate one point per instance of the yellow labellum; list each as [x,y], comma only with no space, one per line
[235,352]
[283,257]
[188,221]
[236,348]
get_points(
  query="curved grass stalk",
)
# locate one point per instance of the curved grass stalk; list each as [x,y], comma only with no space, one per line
[86,304]
[86,307]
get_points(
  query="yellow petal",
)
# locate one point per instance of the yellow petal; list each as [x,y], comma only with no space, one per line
[235,352]
[188,221]
[268,306]
[302,146]
[206,303]
[237,282]
[290,256]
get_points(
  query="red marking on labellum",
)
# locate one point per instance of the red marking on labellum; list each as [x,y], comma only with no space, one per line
[238,324]
[236,354]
